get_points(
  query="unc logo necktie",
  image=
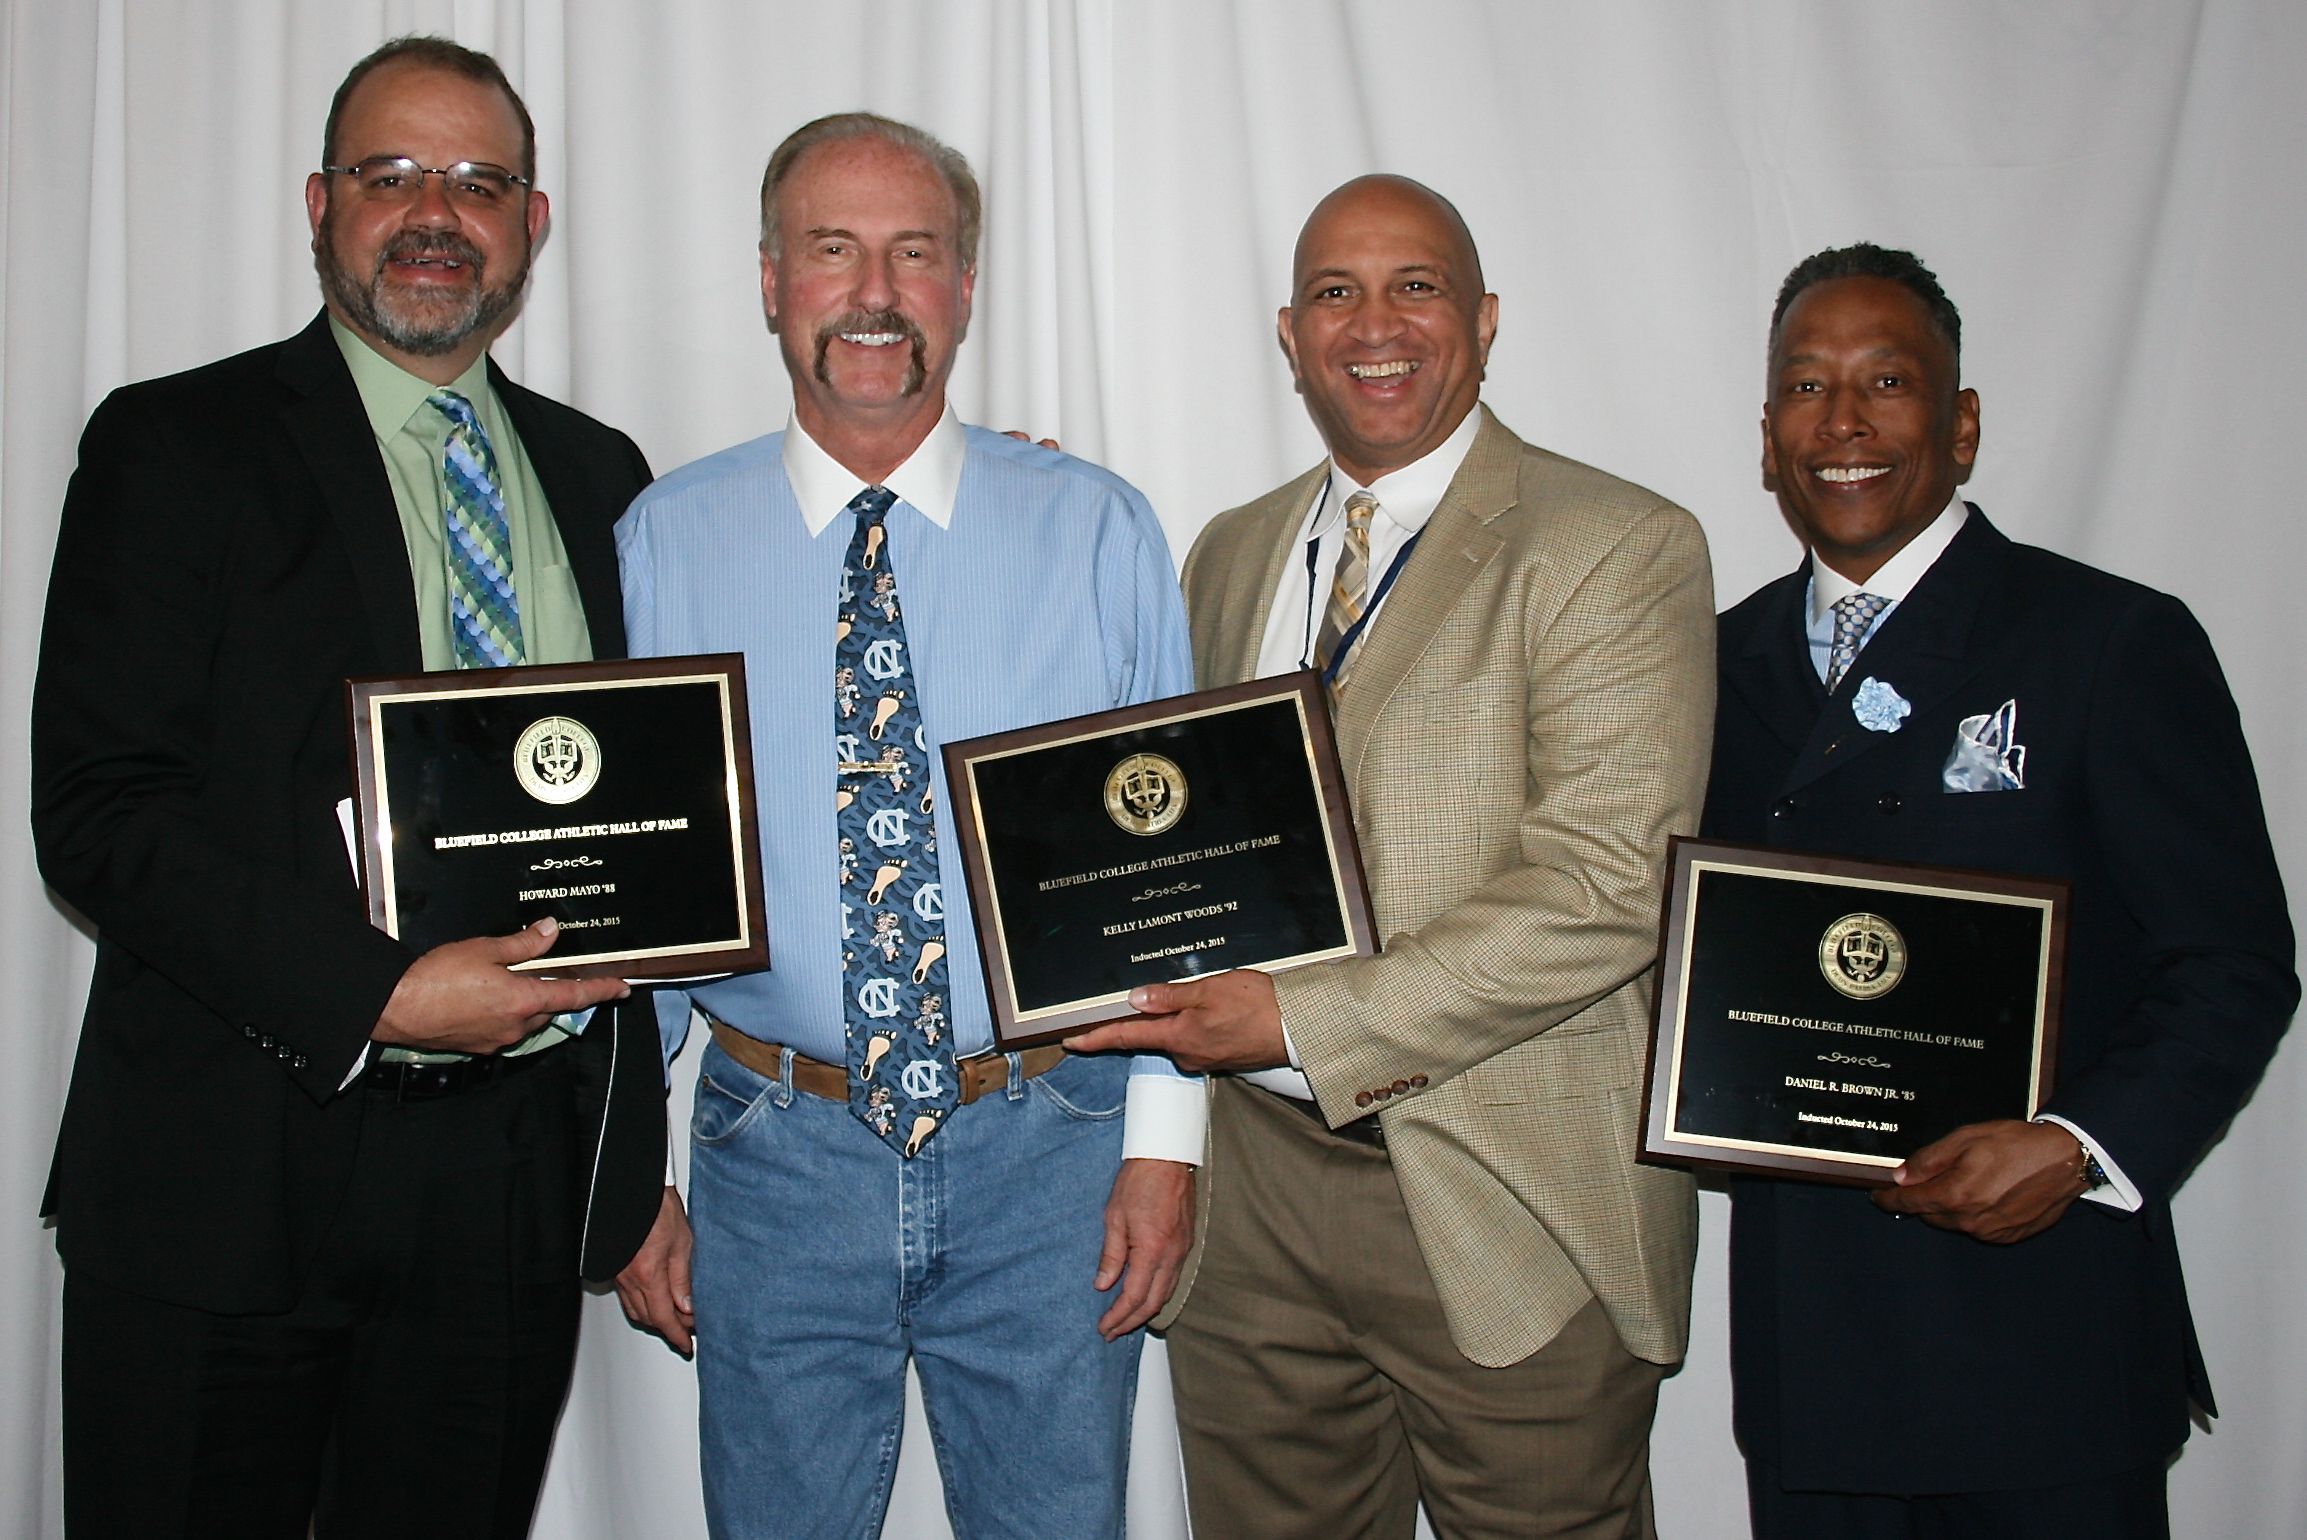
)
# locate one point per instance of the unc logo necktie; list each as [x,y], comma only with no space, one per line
[901,1076]
[1853,613]
[1349,589]
[484,611]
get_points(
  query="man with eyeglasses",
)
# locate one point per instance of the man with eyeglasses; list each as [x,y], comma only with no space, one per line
[323,1201]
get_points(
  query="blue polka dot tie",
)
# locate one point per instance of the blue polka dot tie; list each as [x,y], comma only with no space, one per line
[1853,613]
[902,1083]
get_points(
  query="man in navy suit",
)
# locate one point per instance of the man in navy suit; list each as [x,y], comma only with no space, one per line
[1971,1351]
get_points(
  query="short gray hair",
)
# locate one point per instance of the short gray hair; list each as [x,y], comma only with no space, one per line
[948,162]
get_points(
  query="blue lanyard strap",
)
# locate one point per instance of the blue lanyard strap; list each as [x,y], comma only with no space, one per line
[1353,633]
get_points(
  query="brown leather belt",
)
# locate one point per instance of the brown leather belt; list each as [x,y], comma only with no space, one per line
[981,1075]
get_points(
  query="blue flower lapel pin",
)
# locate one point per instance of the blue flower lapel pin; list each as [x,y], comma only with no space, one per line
[1878,707]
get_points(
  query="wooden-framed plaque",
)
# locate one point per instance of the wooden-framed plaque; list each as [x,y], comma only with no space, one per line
[1157,842]
[615,797]
[1826,1018]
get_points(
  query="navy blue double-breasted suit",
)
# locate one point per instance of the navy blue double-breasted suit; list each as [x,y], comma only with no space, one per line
[1877,1355]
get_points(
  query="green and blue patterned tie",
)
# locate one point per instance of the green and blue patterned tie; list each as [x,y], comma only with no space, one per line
[484,611]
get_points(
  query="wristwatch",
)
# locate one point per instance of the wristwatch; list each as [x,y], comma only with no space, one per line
[2093,1174]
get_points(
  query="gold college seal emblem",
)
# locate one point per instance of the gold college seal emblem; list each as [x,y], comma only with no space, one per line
[557,760]
[1862,955]
[1146,793]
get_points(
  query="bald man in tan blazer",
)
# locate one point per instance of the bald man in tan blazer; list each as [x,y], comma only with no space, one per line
[1429,1265]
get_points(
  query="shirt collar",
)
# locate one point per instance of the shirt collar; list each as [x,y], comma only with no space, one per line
[1896,578]
[1406,497]
[929,481]
[390,395]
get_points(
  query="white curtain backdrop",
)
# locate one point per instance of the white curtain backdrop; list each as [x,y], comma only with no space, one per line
[2111,190]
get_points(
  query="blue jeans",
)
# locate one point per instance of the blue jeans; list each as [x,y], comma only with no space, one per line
[824,1261]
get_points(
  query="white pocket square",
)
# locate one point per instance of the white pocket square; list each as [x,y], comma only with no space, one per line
[1987,755]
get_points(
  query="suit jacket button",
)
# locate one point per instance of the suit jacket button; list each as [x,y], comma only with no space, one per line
[1418,1082]
[1887,802]
[1384,1093]
[248,1030]
[1783,807]
[1363,1098]
[1401,1088]
[299,1062]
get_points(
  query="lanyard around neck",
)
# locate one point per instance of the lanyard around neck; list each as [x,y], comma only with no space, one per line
[1352,633]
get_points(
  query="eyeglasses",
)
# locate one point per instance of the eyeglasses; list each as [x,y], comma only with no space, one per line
[398,179]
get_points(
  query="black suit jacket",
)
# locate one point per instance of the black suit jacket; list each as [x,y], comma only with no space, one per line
[229,554]
[1874,1354]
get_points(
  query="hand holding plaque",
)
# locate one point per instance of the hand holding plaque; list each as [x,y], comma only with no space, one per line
[1183,837]
[1827,1018]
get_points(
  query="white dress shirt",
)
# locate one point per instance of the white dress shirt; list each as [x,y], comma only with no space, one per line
[1893,580]
[929,480]
[1406,498]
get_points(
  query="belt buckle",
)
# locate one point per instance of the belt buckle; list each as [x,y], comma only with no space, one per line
[986,1065]
[409,1080]
[424,1082]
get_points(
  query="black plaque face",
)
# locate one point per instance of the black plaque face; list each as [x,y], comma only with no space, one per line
[1159,842]
[614,797]
[1828,1018]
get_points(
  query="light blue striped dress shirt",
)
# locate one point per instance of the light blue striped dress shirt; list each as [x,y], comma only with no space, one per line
[1050,594]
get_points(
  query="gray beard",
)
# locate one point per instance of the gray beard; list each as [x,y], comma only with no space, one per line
[419,329]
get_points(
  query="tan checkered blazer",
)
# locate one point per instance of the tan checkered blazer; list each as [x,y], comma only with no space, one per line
[1527,723]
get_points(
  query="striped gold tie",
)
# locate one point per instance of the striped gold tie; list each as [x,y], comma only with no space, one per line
[1349,589]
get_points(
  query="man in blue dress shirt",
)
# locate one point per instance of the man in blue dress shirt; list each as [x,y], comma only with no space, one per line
[869,1182]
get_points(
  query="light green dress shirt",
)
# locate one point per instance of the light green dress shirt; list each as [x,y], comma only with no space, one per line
[412,435]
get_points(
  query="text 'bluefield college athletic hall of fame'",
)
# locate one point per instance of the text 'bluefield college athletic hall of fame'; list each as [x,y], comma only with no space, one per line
[1157,842]
[615,797]
[1826,1018]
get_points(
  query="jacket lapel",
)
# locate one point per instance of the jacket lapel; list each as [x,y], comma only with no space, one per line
[575,500]
[321,416]
[1923,651]
[1772,671]
[1459,541]
[1252,571]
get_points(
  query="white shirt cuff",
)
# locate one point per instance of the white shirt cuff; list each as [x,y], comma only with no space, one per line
[2120,1192]
[358,1065]
[1165,1118]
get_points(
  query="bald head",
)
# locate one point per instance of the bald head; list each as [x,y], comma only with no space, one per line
[1388,329]
[1395,200]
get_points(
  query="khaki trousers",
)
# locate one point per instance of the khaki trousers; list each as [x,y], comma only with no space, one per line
[1319,1394]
